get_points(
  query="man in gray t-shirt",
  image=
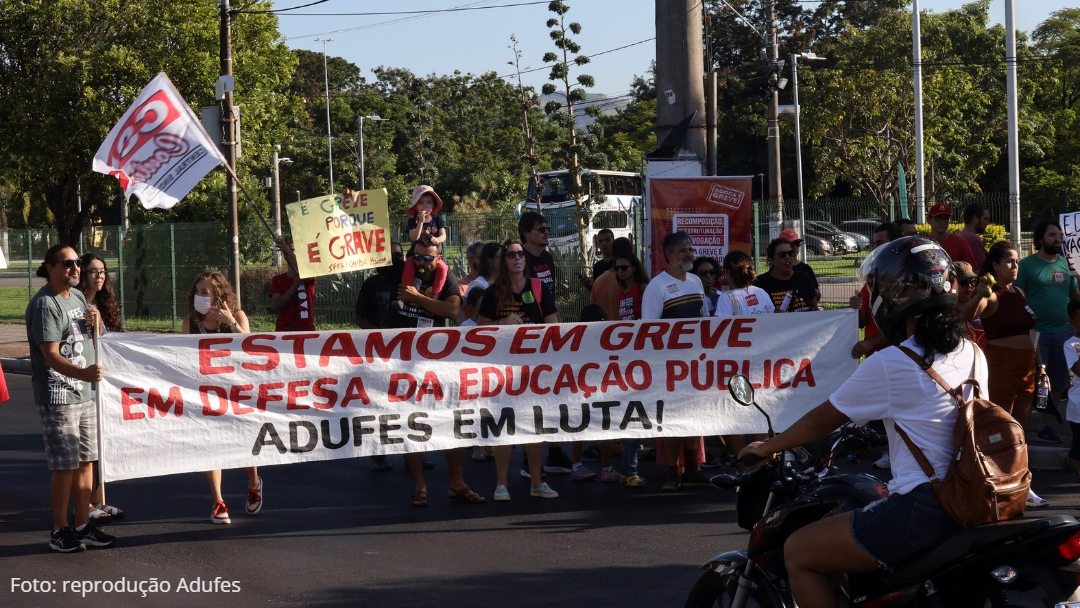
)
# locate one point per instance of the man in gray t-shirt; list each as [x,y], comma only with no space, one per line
[59,327]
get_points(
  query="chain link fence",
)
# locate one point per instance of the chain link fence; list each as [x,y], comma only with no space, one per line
[152,267]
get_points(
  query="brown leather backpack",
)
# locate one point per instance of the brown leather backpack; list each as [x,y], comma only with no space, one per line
[988,478]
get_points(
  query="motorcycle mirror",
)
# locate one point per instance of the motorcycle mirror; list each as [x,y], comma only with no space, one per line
[741,390]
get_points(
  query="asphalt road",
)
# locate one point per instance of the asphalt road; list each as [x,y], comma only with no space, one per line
[338,534]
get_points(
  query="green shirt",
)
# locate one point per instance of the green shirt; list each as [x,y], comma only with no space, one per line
[53,318]
[1047,286]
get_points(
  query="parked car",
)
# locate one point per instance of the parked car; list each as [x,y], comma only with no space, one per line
[841,242]
[815,245]
[863,226]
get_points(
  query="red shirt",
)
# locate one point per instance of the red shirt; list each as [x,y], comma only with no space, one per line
[975,244]
[298,313]
[870,328]
[958,250]
[630,303]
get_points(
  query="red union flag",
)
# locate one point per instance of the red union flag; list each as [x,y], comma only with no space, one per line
[159,150]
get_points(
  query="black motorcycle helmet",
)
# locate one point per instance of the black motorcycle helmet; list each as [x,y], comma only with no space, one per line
[906,277]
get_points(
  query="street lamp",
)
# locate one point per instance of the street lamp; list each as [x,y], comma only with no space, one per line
[360,132]
[329,138]
[275,190]
[809,56]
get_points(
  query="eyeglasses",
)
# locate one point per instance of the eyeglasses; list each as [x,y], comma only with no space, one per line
[423,257]
[513,254]
[785,254]
[69,264]
[706,273]
[543,229]
[621,267]
[95,273]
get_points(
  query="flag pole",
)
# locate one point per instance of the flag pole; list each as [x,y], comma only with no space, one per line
[250,200]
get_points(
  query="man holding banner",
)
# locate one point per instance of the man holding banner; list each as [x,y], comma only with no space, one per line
[59,326]
[419,306]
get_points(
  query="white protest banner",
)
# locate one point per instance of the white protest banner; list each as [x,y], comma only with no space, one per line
[159,150]
[174,404]
[1070,239]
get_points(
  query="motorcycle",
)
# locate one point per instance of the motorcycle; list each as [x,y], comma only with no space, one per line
[1029,562]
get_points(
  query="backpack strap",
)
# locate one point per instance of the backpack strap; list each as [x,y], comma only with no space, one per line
[538,291]
[924,464]
[955,393]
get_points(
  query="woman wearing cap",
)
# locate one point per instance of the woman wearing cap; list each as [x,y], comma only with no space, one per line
[424,215]
[790,291]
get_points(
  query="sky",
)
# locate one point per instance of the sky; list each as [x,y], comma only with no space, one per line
[478,41]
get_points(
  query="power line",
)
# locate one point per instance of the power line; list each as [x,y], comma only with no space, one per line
[375,25]
[384,13]
[590,55]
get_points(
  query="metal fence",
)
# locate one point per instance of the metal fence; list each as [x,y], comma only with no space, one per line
[152,267]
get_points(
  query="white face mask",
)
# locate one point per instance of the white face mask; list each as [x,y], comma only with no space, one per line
[202,304]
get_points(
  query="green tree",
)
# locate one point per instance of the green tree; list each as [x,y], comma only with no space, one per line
[573,92]
[70,68]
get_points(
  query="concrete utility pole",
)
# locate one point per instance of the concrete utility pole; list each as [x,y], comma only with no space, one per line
[680,89]
[1014,148]
[916,62]
[229,136]
[776,187]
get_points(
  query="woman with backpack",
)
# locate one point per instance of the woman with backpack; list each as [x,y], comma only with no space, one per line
[515,299]
[915,296]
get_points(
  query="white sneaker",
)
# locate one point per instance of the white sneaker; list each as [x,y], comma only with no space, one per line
[1034,501]
[883,462]
[543,491]
[502,494]
[219,513]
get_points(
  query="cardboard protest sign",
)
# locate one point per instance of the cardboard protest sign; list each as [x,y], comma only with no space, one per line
[1070,240]
[332,235]
[714,211]
[159,150]
[174,404]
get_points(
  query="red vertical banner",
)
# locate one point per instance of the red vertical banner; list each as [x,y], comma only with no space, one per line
[715,211]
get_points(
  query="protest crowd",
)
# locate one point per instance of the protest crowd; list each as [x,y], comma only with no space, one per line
[1003,299]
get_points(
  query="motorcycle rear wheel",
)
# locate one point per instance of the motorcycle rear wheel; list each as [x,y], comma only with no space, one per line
[715,591]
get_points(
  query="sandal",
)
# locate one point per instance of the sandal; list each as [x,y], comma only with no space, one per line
[114,512]
[467,495]
[420,499]
[99,516]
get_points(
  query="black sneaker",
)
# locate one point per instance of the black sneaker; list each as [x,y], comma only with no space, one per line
[65,540]
[712,461]
[381,465]
[557,462]
[93,536]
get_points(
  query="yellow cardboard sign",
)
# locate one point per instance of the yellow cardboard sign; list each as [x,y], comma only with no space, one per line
[334,235]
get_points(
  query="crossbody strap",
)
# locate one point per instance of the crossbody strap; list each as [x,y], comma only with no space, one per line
[956,393]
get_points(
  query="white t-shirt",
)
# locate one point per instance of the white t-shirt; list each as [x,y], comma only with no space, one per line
[666,297]
[889,386]
[750,300]
[1072,354]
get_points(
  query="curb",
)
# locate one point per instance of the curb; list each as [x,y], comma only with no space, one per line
[16,366]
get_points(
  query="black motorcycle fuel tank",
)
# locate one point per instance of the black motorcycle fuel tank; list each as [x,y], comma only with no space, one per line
[829,495]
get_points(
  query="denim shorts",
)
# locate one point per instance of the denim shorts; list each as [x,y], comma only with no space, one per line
[70,434]
[900,527]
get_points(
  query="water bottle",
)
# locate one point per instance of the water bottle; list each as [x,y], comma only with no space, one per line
[1042,390]
[786,303]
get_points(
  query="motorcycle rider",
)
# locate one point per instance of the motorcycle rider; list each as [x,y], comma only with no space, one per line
[913,295]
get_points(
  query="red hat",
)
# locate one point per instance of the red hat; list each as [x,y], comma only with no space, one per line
[789,235]
[939,209]
[418,193]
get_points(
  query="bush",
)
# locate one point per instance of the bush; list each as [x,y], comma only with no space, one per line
[993,234]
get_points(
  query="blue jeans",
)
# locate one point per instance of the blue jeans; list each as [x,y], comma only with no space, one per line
[630,457]
[1052,354]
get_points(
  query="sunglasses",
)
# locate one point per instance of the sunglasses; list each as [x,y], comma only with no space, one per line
[621,267]
[785,254]
[514,254]
[95,273]
[706,273]
[69,264]
[423,257]
[969,282]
